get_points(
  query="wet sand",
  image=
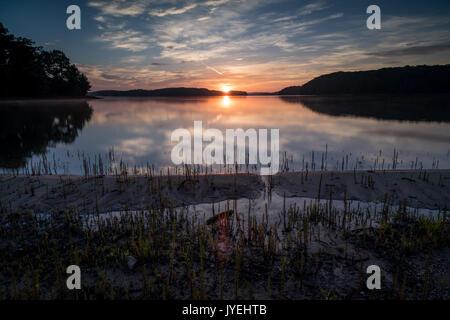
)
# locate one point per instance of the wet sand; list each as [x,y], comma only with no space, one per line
[44,193]
[428,189]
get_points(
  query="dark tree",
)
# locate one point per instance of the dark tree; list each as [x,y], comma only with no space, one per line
[29,71]
[63,78]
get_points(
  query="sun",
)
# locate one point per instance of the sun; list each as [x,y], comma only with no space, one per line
[226,88]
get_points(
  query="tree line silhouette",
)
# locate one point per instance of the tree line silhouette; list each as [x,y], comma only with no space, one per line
[30,71]
[398,80]
[167,92]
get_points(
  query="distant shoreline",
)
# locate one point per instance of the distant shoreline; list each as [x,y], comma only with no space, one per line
[167,92]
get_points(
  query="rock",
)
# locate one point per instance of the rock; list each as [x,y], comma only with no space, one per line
[131,261]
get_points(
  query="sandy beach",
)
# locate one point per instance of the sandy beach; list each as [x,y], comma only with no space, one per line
[428,189]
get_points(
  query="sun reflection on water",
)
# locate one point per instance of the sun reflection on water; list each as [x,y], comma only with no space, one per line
[226,102]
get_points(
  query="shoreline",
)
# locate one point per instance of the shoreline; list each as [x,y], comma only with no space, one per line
[270,247]
[426,189]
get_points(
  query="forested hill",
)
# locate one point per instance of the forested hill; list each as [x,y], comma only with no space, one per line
[166,92]
[409,79]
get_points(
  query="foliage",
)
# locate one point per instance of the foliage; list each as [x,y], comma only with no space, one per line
[29,71]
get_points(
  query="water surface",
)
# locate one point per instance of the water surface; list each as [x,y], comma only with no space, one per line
[360,133]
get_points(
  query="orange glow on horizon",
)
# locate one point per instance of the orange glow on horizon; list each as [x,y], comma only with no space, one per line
[226,88]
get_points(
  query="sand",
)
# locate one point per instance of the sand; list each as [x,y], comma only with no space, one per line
[428,189]
[44,193]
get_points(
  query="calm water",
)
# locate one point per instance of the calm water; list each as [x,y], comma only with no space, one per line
[361,132]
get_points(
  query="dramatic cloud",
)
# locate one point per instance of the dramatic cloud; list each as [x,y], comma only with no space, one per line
[253,45]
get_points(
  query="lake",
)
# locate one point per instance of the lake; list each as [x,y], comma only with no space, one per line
[332,133]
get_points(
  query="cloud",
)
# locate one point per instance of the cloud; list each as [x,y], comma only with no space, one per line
[214,3]
[172,11]
[100,18]
[133,59]
[252,43]
[127,39]
[119,7]
[320,20]
[175,11]
[312,7]
[110,76]
[412,51]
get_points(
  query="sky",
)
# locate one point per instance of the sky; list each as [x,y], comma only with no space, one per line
[250,45]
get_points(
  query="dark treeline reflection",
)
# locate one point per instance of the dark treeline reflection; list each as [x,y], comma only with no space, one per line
[28,128]
[402,108]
